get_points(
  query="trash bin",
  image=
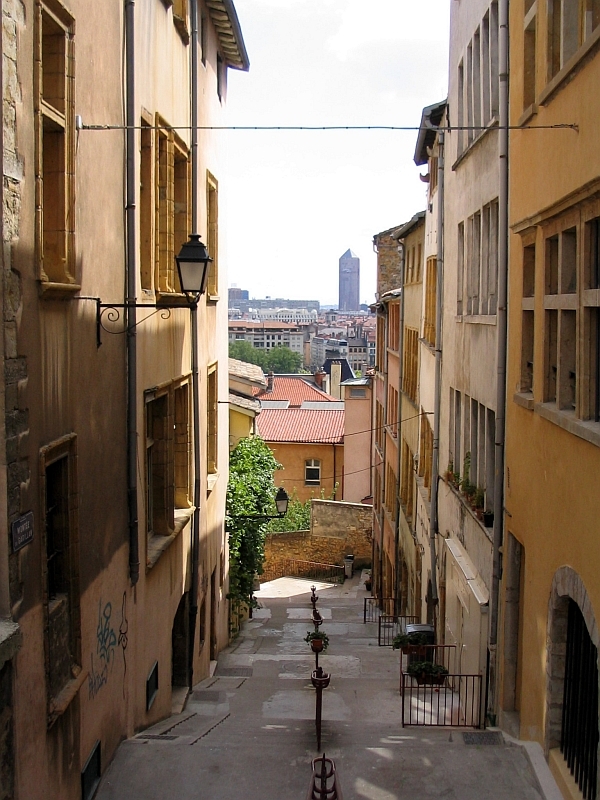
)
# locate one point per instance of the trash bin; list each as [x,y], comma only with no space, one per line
[348,566]
[428,630]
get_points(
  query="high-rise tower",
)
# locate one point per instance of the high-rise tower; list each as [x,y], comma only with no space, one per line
[349,290]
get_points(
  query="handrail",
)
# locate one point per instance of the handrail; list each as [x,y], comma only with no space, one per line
[296,568]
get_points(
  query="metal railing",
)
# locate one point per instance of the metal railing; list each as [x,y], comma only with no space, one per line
[375,606]
[390,625]
[442,654]
[312,570]
[456,702]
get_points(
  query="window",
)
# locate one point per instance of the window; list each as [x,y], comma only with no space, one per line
[221,78]
[212,238]
[147,205]
[472,444]
[168,456]
[411,363]
[394,327]
[481,261]
[61,564]
[529,53]
[407,481]
[380,344]
[478,81]
[212,406]
[460,267]
[392,411]
[429,321]
[379,425]
[312,472]
[426,452]
[560,337]
[180,19]
[173,204]
[390,492]
[527,318]
[55,164]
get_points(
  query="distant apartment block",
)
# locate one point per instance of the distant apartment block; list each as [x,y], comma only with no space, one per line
[349,282]
[266,335]
[242,305]
[299,316]
[236,294]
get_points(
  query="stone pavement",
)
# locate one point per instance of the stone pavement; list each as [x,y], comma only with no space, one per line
[248,732]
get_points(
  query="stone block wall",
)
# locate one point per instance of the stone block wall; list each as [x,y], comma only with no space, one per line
[388,262]
[337,529]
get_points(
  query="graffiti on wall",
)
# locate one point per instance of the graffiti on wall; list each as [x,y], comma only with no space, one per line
[123,628]
[106,641]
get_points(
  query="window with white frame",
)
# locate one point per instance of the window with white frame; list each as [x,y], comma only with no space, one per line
[312,472]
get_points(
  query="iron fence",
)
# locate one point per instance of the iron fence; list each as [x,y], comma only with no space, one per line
[390,625]
[443,654]
[375,606]
[311,570]
[456,702]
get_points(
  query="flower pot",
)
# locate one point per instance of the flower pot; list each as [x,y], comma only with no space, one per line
[368,585]
[488,519]
[316,645]
[425,679]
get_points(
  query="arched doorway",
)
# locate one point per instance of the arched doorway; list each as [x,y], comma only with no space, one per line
[572,675]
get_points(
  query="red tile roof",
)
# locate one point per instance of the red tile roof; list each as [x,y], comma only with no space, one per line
[296,390]
[301,425]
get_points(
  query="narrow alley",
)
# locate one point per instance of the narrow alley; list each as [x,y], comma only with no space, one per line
[249,732]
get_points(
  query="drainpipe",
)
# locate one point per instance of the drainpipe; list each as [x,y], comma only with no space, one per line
[130,216]
[435,465]
[501,327]
[384,445]
[195,542]
[397,582]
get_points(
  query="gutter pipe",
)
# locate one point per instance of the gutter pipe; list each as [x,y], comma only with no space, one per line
[435,465]
[130,262]
[397,574]
[501,323]
[384,446]
[195,542]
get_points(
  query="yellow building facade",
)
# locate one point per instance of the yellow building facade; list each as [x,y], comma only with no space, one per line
[113,564]
[551,558]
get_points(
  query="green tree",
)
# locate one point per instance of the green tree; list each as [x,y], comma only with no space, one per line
[278,360]
[250,494]
[244,351]
[283,360]
[296,519]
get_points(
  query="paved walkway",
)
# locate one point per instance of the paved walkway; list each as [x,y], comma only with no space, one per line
[248,732]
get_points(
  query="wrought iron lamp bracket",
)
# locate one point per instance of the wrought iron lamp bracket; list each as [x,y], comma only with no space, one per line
[115,311]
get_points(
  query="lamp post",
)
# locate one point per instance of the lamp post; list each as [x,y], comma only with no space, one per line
[281,504]
[192,265]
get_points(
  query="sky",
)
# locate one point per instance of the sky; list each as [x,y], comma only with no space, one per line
[296,201]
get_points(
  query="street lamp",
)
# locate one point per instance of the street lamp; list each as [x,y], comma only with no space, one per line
[281,504]
[192,265]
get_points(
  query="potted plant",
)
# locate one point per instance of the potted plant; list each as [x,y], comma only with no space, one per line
[427,673]
[478,503]
[410,642]
[318,640]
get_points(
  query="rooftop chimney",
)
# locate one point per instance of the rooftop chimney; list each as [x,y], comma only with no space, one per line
[270,381]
